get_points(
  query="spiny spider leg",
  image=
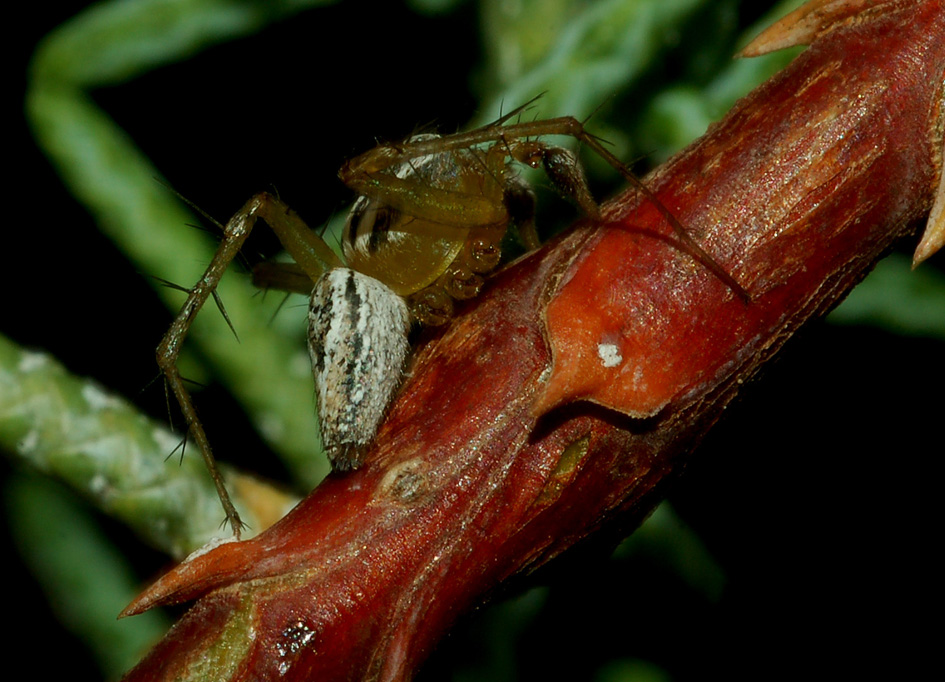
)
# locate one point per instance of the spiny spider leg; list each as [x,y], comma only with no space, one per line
[361,173]
[314,257]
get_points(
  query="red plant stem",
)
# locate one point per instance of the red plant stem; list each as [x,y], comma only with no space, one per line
[566,397]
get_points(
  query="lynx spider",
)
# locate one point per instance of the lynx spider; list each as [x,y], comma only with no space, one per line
[426,227]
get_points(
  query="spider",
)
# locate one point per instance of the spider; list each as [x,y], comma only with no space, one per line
[424,230]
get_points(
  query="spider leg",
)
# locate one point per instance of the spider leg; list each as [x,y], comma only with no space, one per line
[689,244]
[520,203]
[571,127]
[299,241]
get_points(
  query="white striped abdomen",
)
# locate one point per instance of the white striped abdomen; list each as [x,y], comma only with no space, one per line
[358,343]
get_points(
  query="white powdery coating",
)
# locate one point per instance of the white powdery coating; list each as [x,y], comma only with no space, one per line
[358,342]
[609,354]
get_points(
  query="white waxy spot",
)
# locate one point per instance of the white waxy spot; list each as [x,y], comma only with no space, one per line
[609,354]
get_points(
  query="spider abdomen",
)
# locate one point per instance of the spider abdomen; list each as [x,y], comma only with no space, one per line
[357,338]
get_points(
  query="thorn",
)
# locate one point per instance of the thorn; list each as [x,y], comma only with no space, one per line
[219,302]
[167,400]
[182,446]
[933,238]
[502,119]
[596,109]
[192,205]
[172,285]
[279,308]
